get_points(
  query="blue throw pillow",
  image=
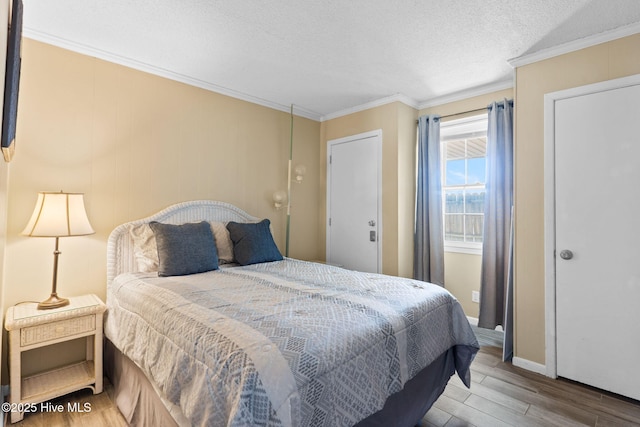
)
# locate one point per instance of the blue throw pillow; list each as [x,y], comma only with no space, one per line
[185,249]
[253,242]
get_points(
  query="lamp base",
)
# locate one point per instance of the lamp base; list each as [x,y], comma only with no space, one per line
[53,302]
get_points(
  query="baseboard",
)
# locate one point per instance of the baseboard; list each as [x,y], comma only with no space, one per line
[529,365]
[517,361]
[474,322]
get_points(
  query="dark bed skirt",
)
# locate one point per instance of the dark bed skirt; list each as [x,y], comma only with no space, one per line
[139,403]
[409,405]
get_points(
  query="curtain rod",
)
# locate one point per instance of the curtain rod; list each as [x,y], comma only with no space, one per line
[488,107]
[461,113]
[464,112]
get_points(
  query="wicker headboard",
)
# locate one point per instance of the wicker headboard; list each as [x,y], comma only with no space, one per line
[120,256]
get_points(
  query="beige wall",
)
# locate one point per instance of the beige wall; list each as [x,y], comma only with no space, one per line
[603,62]
[398,124]
[407,131]
[4,167]
[461,277]
[135,143]
[462,271]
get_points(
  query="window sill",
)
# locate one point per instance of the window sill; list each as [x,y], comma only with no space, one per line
[470,250]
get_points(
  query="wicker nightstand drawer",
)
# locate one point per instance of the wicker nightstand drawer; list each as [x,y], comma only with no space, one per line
[55,330]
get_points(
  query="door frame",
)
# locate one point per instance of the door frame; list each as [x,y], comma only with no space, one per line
[377,135]
[550,100]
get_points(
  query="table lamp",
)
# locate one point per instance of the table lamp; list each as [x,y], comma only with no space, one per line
[58,215]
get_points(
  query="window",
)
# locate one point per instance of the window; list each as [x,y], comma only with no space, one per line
[464,151]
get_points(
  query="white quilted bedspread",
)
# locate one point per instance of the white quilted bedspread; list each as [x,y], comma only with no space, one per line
[282,343]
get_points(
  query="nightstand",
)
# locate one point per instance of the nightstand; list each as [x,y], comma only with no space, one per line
[30,328]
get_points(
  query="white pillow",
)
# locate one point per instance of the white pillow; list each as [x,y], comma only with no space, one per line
[223,242]
[144,247]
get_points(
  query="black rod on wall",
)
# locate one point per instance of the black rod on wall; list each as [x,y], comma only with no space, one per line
[477,110]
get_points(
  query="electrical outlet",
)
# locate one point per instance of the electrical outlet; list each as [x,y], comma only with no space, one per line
[475,296]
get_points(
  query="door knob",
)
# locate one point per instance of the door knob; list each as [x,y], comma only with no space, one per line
[372,223]
[566,254]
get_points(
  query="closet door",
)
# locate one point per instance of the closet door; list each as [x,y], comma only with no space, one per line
[354,202]
[597,240]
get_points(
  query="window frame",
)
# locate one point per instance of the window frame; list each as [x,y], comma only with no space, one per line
[467,127]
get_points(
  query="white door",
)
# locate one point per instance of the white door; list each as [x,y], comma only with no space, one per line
[597,243]
[353,202]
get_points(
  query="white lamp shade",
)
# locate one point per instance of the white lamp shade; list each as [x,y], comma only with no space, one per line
[59,215]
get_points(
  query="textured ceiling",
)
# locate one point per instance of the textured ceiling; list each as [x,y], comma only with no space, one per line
[324,56]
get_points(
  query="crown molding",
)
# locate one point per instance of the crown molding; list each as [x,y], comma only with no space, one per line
[469,93]
[161,72]
[373,104]
[575,45]
[299,111]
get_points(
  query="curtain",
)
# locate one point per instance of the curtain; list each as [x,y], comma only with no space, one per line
[428,264]
[496,248]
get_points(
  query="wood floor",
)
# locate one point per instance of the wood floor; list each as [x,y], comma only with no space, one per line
[504,395]
[500,395]
[102,411]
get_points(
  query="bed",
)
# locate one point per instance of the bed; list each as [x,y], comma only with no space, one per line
[259,339]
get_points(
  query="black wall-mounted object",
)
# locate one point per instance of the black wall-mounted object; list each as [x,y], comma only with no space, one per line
[12,82]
